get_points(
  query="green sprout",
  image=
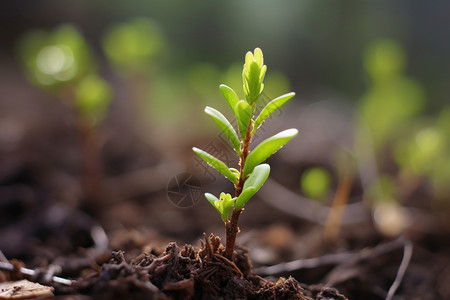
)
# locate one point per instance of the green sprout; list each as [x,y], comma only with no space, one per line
[252,171]
[134,47]
[61,63]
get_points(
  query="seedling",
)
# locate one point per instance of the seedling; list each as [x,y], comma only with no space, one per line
[61,63]
[252,171]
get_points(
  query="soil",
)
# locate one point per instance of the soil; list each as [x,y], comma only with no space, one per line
[184,273]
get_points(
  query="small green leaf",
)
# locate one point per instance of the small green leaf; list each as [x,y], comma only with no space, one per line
[231,97]
[270,108]
[225,126]
[227,204]
[253,75]
[244,197]
[244,115]
[216,164]
[253,184]
[267,148]
[236,172]
[212,199]
[258,56]
[222,205]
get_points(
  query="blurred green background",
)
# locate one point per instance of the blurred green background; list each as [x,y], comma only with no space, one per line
[318,45]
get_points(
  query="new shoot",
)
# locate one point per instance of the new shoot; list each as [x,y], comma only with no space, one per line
[252,172]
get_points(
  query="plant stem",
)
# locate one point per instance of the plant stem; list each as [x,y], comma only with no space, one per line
[91,169]
[91,166]
[231,227]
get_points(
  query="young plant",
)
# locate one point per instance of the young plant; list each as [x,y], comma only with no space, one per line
[252,171]
[61,63]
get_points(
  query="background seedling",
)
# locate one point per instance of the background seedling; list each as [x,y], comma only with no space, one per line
[61,63]
[252,171]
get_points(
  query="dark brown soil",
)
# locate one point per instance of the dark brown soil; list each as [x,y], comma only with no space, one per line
[188,274]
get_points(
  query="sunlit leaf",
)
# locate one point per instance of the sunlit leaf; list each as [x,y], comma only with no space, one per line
[212,199]
[253,75]
[267,148]
[270,108]
[253,184]
[236,172]
[244,197]
[258,55]
[227,204]
[222,205]
[244,114]
[216,164]
[225,126]
[231,97]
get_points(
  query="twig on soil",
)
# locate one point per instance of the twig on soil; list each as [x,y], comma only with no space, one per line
[157,262]
[6,266]
[330,259]
[174,251]
[334,220]
[407,254]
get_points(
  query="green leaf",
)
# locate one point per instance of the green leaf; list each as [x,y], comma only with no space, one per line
[225,126]
[258,56]
[231,97]
[244,114]
[253,184]
[253,75]
[212,199]
[216,164]
[267,148]
[270,108]
[222,205]
[236,172]
[226,203]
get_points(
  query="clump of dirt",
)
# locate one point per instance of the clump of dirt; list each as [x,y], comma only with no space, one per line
[187,273]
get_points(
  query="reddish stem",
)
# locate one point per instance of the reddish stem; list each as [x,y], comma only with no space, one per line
[231,227]
[89,152]
[91,165]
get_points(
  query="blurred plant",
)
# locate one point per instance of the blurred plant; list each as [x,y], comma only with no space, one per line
[253,173]
[393,99]
[134,47]
[61,63]
[53,60]
[387,111]
[346,169]
[389,216]
[425,154]
[315,183]
[135,50]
